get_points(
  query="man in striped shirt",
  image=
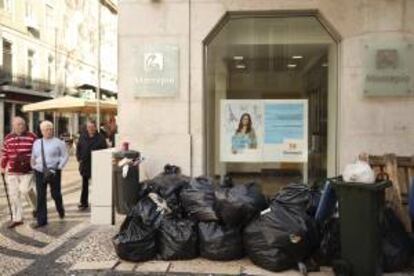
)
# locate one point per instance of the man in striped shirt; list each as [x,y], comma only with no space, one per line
[15,162]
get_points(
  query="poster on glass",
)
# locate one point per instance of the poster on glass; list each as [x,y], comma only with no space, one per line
[264,131]
[241,131]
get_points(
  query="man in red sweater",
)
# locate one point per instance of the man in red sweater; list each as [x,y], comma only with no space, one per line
[15,162]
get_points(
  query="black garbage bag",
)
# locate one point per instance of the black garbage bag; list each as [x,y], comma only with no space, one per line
[298,195]
[170,182]
[178,239]
[136,240]
[227,182]
[396,243]
[172,169]
[136,243]
[283,235]
[330,246]
[168,185]
[149,212]
[220,242]
[169,188]
[239,204]
[198,199]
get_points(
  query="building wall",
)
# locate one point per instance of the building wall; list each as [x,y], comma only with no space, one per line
[171,130]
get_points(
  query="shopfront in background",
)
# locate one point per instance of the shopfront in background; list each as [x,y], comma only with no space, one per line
[318,87]
[273,71]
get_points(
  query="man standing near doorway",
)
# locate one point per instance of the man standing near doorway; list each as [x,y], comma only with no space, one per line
[15,163]
[88,141]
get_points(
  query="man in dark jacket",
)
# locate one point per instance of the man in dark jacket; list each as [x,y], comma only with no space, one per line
[88,141]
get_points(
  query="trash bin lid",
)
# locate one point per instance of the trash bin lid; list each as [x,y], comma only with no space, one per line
[364,186]
[131,154]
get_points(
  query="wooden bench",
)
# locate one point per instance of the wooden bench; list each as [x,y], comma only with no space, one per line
[400,170]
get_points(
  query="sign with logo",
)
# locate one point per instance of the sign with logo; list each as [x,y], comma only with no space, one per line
[88,94]
[264,131]
[156,71]
[389,68]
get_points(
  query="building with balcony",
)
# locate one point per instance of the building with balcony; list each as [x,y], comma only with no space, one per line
[51,48]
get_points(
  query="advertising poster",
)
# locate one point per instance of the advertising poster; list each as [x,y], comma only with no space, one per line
[241,130]
[264,131]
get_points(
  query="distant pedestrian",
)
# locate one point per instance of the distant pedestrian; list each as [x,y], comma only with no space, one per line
[88,141]
[49,156]
[15,163]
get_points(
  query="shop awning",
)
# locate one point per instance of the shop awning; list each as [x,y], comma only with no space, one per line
[71,104]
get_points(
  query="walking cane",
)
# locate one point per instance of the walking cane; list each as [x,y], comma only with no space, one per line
[7,195]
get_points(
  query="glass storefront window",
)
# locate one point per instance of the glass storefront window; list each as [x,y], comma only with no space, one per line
[260,58]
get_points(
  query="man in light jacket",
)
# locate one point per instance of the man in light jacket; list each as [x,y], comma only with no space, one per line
[53,159]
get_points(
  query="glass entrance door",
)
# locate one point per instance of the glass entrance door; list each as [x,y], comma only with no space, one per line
[262,58]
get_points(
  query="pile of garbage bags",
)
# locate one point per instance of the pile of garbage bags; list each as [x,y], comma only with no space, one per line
[180,218]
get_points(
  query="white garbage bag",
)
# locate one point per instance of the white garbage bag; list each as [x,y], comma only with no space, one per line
[360,171]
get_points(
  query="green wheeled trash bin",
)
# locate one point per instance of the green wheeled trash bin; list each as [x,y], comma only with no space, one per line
[361,209]
[126,189]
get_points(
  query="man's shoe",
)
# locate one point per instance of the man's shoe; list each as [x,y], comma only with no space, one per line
[36,225]
[83,207]
[14,224]
[62,215]
[34,213]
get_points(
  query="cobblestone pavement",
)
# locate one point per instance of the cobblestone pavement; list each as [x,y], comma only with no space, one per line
[75,247]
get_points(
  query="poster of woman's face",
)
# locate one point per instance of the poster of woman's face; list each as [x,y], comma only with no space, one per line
[263,131]
[244,136]
[241,129]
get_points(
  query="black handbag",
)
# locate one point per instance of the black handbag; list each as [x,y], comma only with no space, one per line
[48,173]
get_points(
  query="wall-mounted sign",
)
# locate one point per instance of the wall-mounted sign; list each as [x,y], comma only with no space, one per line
[389,68]
[264,131]
[156,70]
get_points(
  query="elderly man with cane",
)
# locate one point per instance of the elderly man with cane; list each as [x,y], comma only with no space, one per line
[15,163]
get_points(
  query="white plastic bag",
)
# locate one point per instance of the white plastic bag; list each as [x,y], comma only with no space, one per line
[360,171]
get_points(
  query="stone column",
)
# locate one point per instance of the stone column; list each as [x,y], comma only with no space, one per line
[2,134]
[13,112]
[30,122]
[41,116]
[75,122]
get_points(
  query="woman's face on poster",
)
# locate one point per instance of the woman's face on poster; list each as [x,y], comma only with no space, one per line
[245,120]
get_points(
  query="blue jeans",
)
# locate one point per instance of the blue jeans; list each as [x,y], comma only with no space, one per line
[55,190]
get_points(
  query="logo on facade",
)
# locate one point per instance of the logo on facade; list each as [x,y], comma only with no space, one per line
[389,68]
[387,59]
[153,62]
[156,70]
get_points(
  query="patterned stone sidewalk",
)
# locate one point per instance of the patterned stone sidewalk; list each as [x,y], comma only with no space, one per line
[28,251]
